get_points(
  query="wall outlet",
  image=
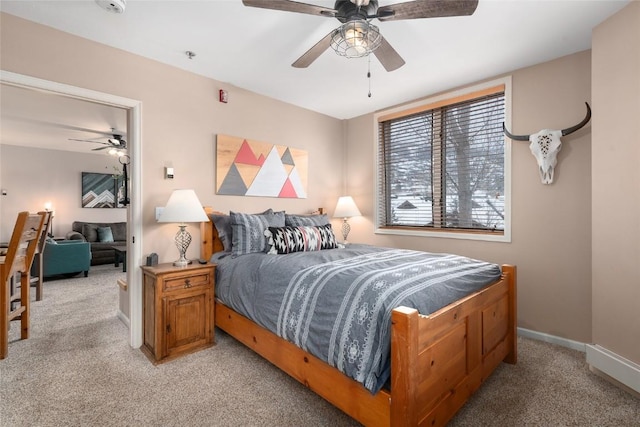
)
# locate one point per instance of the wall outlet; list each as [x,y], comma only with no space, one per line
[159,211]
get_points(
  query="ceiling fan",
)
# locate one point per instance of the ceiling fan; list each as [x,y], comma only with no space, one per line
[115,142]
[356,37]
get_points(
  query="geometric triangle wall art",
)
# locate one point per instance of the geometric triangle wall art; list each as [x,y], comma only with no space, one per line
[252,168]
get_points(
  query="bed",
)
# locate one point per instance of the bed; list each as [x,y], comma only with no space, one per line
[436,361]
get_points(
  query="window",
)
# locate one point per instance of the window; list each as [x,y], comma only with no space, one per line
[441,167]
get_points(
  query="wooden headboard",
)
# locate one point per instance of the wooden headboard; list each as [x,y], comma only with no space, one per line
[210,243]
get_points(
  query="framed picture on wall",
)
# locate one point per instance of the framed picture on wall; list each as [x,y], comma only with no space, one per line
[102,190]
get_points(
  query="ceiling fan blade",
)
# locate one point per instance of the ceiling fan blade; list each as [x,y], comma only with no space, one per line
[291,6]
[426,9]
[88,140]
[312,54]
[99,148]
[388,57]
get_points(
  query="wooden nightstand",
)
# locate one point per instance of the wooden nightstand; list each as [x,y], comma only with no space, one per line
[178,309]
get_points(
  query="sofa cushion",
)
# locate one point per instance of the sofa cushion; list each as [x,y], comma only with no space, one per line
[119,230]
[105,235]
[90,232]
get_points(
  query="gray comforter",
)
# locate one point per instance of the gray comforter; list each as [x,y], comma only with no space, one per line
[336,304]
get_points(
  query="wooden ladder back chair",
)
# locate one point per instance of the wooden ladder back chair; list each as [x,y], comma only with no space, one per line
[37,280]
[18,259]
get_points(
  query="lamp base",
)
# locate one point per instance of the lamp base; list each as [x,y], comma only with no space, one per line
[346,228]
[182,239]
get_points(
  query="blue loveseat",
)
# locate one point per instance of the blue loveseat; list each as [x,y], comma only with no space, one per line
[65,257]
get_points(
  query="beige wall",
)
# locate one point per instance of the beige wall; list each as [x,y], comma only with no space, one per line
[616,183]
[181,116]
[551,224]
[51,176]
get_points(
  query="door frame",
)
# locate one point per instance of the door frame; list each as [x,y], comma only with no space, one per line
[134,212]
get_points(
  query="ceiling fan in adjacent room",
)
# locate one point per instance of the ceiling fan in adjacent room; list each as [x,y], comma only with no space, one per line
[115,144]
[357,37]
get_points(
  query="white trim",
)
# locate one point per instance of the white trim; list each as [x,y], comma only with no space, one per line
[552,339]
[134,213]
[123,317]
[506,236]
[617,367]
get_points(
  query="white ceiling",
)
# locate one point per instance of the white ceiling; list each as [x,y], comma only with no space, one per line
[253,48]
[33,118]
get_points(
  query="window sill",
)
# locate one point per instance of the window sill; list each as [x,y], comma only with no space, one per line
[502,236]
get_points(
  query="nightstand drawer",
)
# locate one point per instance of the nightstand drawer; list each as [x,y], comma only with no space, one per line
[187,281]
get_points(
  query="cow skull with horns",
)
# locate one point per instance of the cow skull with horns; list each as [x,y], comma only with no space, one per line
[545,146]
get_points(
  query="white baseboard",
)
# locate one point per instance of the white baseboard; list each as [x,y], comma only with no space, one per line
[552,339]
[620,369]
[123,318]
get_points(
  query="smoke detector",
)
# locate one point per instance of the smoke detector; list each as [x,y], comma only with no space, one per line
[113,6]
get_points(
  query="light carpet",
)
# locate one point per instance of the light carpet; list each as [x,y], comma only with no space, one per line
[77,369]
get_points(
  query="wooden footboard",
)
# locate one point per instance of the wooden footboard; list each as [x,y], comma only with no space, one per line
[437,362]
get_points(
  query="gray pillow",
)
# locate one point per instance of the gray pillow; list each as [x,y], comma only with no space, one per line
[90,232]
[248,231]
[306,220]
[222,223]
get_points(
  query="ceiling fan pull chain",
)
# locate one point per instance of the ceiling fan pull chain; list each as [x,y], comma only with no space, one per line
[369,73]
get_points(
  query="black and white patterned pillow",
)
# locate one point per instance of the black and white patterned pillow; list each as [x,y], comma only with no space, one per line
[285,240]
[298,220]
[248,231]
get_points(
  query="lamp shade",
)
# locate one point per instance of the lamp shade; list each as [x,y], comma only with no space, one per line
[183,206]
[346,208]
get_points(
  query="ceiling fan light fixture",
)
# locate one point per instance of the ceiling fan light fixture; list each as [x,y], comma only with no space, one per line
[116,152]
[355,39]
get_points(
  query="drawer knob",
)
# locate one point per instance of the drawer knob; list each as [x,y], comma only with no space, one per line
[187,283]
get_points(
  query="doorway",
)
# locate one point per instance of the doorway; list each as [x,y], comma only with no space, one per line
[134,213]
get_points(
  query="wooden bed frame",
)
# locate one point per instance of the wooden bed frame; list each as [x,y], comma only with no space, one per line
[437,361]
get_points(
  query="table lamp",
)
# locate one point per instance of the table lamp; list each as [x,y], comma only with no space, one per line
[346,208]
[183,206]
[49,208]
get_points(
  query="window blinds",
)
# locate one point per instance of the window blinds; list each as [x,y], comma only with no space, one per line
[443,167]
